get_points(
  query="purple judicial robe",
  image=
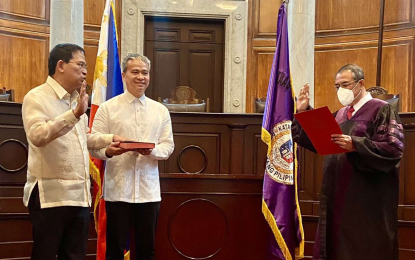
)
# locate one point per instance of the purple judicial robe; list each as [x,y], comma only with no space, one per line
[360,190]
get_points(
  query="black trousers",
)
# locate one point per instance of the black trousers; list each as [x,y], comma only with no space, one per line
[121,216]
[61,231]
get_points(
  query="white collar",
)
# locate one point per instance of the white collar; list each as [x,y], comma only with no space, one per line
[362,101]
[60,91]
[130,97]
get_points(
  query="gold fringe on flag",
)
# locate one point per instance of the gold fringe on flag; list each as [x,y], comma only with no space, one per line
[276,231]
[96,176]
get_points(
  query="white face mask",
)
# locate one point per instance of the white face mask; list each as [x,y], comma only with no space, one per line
[346,96]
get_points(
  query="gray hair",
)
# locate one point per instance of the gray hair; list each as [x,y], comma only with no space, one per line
[357,72]
[135,56]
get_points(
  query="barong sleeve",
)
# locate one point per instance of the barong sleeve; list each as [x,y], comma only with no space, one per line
[165,145]
[383,151]
[100,127]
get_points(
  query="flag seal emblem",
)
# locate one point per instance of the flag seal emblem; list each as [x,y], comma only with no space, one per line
[280,164]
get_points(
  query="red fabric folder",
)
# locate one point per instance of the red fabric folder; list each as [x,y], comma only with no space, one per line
[319,124]
[131,145]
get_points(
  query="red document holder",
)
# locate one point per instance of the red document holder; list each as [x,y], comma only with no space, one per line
[131,145]
[319,124]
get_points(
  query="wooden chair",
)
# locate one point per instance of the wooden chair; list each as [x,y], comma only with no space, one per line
[183,99]
[382,93]
[260,104]
[7,95]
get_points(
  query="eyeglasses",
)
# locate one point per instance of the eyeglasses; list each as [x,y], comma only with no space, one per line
[81,65]
[344,84]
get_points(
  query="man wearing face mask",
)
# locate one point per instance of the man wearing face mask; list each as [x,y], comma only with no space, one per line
[360,188]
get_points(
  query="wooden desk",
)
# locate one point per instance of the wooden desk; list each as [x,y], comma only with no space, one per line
[215,210]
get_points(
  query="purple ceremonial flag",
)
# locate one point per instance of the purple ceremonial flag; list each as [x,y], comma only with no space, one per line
[280,192]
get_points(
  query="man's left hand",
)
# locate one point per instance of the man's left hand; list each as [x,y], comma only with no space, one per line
[344,141]
[114,149]
[144,151]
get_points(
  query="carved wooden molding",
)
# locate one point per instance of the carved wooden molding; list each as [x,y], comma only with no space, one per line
[192,147]
[377,91]
[26,150]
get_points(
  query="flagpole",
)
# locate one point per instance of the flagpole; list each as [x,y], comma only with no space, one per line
[380,42]
[286,2]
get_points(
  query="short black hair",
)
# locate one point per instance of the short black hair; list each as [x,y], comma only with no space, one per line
[63,52]
[135,56]
[357,72]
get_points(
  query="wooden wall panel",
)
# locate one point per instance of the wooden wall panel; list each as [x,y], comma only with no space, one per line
[266,16]
[24,44]
[263,71]
[28,9]
[259,70]
[396,69]
[24,41]
[93,10]
[91,49]
[334,15]
[408,180]
[23,57]
[262,26]
[346,32]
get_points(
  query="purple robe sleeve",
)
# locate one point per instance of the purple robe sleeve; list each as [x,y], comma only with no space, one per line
[383,150]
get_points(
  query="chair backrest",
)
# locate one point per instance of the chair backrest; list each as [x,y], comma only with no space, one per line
[377,91]
[392,99]
[382,93]
[260,104]
[183,99]
[7,95]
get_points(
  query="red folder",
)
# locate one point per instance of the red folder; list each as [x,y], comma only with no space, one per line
[319,124]
[132,145]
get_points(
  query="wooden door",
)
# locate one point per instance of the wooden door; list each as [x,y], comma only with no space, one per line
[186,52]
